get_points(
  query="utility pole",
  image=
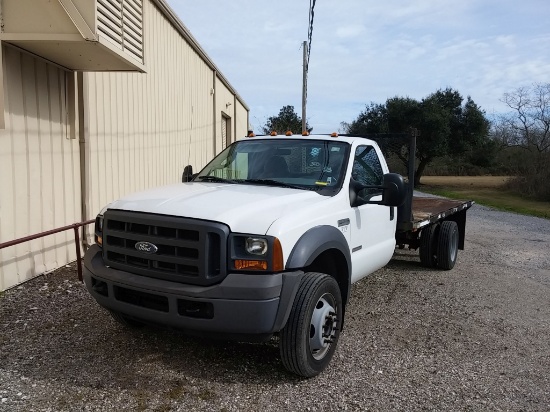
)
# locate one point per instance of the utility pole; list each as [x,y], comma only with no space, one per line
[304,88]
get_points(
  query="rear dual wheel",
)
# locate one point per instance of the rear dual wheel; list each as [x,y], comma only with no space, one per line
[439,245]
[428,247]
[447,245]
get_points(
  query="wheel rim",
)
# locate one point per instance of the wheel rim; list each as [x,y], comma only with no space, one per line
[323,327]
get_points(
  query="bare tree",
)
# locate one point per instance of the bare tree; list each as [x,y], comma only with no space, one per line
[529,123]
[528,127]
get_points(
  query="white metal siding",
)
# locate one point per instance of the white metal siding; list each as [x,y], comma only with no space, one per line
[39,168]
[225,106]
[142,129]
[241,126]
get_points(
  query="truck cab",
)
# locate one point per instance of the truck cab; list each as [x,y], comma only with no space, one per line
[266,239]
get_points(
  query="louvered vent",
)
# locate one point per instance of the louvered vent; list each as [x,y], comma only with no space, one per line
[121,21]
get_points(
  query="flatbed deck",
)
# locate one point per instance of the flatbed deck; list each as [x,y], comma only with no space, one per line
[427,210]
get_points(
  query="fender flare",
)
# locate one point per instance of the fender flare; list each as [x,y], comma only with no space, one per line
[314,242]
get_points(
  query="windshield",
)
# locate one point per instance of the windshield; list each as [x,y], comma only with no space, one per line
[302,164]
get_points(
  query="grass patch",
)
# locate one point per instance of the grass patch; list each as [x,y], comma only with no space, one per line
[485,190]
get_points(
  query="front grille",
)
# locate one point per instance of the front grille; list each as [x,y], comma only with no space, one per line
[187,250]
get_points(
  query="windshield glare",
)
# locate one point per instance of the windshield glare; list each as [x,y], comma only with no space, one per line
[305,164]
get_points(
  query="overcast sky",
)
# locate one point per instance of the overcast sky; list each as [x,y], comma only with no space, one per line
[369,50]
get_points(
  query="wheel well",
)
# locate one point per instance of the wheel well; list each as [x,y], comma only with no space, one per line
[333,263]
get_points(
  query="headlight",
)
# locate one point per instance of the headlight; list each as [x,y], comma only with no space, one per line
[99,223]
[99,230]
[251,253]
[256,246]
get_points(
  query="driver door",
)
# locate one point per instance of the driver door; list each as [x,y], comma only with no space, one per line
[373,229]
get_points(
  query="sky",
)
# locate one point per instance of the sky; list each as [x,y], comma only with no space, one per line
[367,51]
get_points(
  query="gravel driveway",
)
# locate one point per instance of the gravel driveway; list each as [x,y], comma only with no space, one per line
[474,338]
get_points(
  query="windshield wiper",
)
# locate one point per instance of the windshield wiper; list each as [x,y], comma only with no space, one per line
[271,182]
[215,179]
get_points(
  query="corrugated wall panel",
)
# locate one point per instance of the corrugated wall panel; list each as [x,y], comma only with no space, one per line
[223,98]
[142,129]
[242,121]
[39,168]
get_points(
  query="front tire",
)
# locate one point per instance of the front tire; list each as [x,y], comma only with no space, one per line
[309,338]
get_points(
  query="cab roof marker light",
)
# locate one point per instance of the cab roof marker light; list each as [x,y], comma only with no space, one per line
[305,133]
[273,133]
[251,134]
[334,134]
[288,133]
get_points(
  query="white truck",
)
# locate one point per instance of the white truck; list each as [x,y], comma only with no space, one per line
[265,240]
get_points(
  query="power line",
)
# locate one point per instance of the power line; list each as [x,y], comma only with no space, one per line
[309,40]
[310,30]
[307,53]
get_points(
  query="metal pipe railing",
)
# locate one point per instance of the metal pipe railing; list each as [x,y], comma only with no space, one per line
[74,226]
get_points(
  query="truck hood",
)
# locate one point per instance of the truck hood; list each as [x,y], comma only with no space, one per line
[244,208]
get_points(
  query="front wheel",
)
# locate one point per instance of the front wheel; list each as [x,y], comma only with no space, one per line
[309,339]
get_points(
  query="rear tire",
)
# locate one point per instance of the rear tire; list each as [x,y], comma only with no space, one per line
[447,245]
[126,321]
[428,246]
[309,338]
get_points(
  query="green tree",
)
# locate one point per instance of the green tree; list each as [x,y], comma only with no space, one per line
[374,119]
[286,120]
[448,126]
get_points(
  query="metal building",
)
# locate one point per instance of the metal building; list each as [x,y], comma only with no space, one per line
[98,98]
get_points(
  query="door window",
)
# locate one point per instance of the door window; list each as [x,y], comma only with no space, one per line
[367,170]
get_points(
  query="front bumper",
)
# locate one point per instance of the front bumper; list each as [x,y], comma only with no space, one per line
[242,304]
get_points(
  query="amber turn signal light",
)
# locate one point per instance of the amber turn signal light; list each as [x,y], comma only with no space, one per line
[242,264]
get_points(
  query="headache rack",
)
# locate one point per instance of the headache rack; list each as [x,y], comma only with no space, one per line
[416,212]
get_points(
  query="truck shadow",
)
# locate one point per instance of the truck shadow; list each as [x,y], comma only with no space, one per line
[84,347]
[179,359]
[406,259]
[79,343]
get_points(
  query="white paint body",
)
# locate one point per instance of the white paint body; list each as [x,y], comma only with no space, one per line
[281,212]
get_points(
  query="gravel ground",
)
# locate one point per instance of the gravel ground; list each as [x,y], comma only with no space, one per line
[474,338]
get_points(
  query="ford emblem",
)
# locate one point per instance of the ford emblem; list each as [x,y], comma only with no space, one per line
[146,247]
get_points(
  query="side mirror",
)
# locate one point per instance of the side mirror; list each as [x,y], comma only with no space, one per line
[187,175]
[393,191]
